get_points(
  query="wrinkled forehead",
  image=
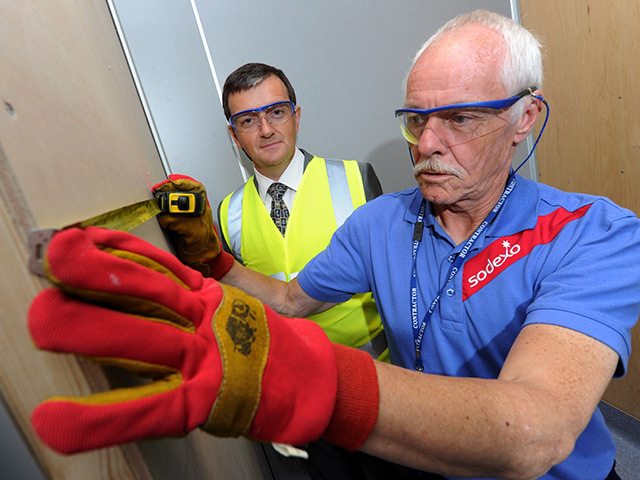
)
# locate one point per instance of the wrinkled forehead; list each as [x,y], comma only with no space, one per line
[464,62]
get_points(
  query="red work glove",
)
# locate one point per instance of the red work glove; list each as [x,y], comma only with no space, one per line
[194,238]
[219,359]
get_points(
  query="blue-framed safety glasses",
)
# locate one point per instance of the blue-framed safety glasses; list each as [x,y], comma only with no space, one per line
[460,122]
[463,122]
[275,113]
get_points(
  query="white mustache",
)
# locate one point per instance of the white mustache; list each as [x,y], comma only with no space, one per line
[435,165]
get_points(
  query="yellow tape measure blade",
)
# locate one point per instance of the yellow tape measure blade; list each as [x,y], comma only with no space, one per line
[126,218]
[123,219]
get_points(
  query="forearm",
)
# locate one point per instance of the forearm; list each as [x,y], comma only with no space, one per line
[464,426]
[517,426]
[288,299]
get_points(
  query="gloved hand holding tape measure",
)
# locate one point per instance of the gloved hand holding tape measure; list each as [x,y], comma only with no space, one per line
[195,238]
[219,359]
[182,208]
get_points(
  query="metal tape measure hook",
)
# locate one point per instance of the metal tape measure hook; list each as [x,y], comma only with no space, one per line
[39,240]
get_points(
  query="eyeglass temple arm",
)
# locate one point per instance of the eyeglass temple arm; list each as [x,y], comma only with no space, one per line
[546,119]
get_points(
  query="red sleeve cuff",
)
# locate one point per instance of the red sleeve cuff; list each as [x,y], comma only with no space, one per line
[220,265]
[356,410]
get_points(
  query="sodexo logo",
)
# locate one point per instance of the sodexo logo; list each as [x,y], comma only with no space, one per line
[494,263]
[487,264]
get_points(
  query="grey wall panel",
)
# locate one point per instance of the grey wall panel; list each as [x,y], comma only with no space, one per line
[172,68]
[346,60]
[16,460]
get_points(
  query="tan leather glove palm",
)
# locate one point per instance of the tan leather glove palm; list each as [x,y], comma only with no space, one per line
[194,238]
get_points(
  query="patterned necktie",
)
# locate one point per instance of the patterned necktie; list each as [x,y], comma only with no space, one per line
[279,210]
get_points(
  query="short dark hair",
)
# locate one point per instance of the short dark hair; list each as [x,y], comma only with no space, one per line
[248,76]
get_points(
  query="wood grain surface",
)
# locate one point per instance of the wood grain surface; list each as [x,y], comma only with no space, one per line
[74,142]
[592,142]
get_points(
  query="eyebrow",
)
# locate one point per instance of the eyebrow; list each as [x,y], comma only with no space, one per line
[419,107]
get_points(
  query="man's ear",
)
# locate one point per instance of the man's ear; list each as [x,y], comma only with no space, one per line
[529,117]
[232,132]
[297,115]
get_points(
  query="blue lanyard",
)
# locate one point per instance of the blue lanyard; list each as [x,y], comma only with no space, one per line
[418,330]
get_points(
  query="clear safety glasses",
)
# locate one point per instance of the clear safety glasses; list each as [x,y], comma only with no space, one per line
[458,123]
[275,113]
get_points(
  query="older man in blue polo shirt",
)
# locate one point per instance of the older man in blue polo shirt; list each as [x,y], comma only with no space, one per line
[513,299]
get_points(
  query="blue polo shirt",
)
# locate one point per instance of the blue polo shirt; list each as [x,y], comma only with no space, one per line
[548,257]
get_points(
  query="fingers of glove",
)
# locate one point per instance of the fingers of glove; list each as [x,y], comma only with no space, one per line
[299,383]
[61,323]
[125,272]
[167,184]
[188,184]
[195,238]
[188,365]
[182,183]
[74,425]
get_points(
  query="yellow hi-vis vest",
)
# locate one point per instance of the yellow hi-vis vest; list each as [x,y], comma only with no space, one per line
[327,194]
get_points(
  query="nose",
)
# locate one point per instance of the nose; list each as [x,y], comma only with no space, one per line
[430,143]
[266,130]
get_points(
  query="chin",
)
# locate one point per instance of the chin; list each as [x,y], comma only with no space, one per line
[435,194]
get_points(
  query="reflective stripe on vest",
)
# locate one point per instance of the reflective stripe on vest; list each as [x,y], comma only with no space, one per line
[340,194]
[376,346]
[234,223]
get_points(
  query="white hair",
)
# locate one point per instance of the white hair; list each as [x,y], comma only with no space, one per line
[522,66]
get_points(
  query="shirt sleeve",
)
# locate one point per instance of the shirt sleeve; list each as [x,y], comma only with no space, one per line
[340,271]
[595,287]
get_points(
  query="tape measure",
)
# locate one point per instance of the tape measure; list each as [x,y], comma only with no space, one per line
[123,219]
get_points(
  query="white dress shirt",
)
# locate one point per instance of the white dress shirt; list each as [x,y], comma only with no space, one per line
[290,177]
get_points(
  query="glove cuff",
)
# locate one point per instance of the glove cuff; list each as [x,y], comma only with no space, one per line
[356,410]
[219,266]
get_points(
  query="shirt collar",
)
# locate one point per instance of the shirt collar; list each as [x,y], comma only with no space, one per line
[519,212]
[290,177]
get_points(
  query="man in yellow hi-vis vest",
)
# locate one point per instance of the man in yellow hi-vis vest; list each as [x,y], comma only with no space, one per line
[277,229]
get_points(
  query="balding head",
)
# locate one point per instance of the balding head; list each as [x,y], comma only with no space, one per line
[518,54]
